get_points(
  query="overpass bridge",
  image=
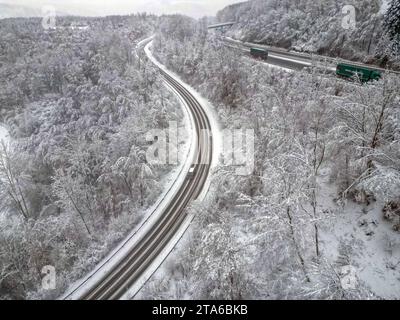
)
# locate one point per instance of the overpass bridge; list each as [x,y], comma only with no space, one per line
[221,25]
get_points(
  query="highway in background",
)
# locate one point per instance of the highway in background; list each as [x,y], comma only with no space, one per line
[296,60]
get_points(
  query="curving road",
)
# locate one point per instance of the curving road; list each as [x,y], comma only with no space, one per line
[117,281]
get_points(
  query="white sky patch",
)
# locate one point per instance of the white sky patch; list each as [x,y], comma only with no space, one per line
[194,8]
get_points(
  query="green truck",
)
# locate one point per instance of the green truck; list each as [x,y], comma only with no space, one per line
[259,53]
[363,73]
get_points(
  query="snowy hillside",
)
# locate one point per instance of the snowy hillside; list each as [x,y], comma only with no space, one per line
[311,26]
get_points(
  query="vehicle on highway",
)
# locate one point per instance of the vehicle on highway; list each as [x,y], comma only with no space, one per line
[191,172]
[363,73]
[259,53]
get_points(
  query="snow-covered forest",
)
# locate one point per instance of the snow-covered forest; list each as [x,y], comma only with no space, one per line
[315,26]
[78,103]
[318,217]
[327,155]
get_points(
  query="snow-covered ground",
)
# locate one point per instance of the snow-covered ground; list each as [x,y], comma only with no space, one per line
[4,136]
[385,6]
[359,236]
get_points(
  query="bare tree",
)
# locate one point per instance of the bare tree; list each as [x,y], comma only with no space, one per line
[11,181]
